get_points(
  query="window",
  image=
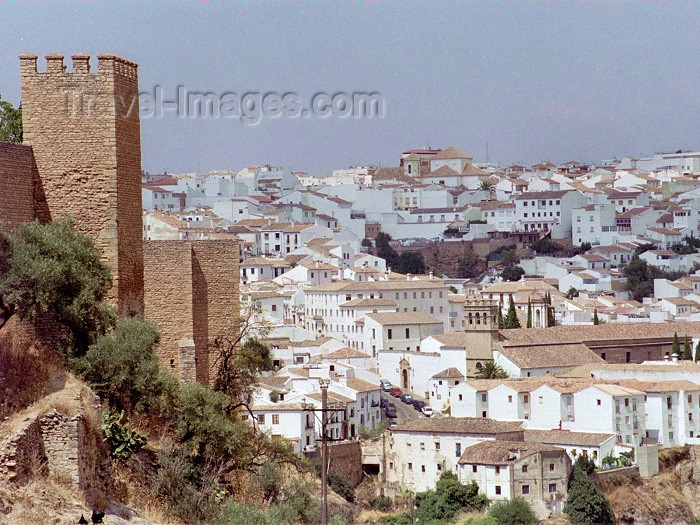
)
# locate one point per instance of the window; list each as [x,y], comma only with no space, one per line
[458,450]
[389,333]
[526,489]
[422,446]
[510,399]
[598,402]
[422,468]
[261,419]
[498,470]
[551,467]
[474,468]
[524,469]
[275,419]
[552,487]
[437,445]
[483,414]
[497,489]
[439,467]
[410,466]
[408,332]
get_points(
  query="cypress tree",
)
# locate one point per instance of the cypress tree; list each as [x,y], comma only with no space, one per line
[687,350]
[512,318]
[676,346]
[529,314]
[551,321]
[501,322]
[596,321]
[586,504]
[697,352]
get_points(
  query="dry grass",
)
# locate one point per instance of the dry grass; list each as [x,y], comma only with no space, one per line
[29,370]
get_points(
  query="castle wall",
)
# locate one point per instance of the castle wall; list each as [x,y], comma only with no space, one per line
[84,133]
[168,300]
[17,175]
[191,293]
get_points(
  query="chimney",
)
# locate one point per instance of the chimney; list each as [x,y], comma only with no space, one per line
[674,357]
[408,276]
[666,357]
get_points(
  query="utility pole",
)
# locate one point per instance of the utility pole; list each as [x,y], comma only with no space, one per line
[324,383]
[324,450]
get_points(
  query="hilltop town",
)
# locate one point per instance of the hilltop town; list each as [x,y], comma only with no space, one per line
[494,322]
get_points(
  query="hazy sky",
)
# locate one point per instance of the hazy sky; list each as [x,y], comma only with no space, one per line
[537,80]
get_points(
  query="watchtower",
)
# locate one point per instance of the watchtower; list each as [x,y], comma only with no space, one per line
[84,129]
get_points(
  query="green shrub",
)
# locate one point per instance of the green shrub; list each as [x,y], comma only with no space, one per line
[274,396]
[382,503]
[204,429]
[449,497]
[364,432]
[270,480]
[122,441]
[178,482]
[341,486]
[54,269]
[123,367]
[397,519]
[484,520]
[515,511]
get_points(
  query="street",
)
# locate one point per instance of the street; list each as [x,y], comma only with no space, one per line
[403,411]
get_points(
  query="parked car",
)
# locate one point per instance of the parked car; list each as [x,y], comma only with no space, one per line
[391,412]
[407,398]
[391,405]
[418,405]
[396,392]
[385,385]
[383,401]
[428,411]
[392,423]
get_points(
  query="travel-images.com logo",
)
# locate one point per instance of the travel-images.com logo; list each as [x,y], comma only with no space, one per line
[249,108]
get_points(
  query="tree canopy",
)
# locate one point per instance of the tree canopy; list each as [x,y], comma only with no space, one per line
[52,268]
[514,511]
[586,504]
[10,122]
[410,262]
[490,370]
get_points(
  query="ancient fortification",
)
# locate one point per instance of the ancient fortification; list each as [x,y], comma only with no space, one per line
[81,157]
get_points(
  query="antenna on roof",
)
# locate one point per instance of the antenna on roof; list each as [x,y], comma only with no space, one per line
[487,151]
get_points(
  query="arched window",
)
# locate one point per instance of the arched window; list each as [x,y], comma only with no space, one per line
[471,321]
[478,366]
[478,318]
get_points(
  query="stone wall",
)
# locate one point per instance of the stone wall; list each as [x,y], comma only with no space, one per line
[84,134]
[22,454]
[17,174]
[65,446]
[447,255]
[191,293]
[346,459]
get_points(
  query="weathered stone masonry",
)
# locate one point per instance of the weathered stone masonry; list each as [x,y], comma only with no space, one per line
[88,157]
[82,158]
[192,294]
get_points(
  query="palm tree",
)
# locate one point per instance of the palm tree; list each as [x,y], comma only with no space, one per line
[490,370]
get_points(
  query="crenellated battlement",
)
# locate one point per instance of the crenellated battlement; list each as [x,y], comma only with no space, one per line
[107,63]
[84,128]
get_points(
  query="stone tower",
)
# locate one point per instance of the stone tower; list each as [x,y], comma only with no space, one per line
[84,130]
[481,326]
